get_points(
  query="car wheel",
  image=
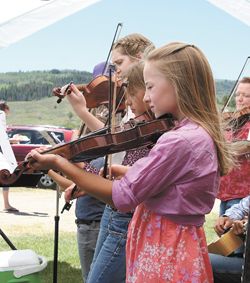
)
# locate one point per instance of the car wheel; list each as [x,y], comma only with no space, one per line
[46,183]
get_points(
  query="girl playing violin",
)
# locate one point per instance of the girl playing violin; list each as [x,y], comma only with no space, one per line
[175,185]
[235,185]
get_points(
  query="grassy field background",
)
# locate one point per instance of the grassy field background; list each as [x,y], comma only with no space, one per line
[43,112]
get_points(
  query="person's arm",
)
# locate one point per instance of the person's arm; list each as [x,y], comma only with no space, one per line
[238,211]
[63,182]
[92,184]
[79,105]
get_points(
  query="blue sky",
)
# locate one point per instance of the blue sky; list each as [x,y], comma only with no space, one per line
[82,40]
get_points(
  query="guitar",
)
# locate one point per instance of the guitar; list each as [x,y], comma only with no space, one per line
[226,244]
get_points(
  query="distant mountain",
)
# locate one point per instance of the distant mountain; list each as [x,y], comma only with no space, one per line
[224,87]
[35,85]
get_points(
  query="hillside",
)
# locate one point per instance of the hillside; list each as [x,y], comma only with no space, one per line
[29,95]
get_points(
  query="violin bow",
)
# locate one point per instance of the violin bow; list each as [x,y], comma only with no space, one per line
[234,87]
[112,99]
[116,35]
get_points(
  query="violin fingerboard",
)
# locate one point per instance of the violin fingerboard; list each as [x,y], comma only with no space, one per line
[245,278]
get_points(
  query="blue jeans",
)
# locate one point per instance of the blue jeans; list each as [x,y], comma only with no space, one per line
[109,262]
[224,205]
[86,240]
[226,269]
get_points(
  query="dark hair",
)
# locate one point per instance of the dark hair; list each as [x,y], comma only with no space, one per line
[3,105]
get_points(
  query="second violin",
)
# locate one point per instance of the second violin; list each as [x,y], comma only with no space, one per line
[96,92]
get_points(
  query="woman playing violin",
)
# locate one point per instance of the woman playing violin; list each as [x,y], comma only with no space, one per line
[235,185]
[173,187]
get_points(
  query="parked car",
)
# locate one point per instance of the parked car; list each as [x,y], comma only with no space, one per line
[25,138]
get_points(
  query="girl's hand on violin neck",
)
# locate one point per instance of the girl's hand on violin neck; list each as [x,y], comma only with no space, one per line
[75,97]
[117,171]
[39,161]
[39,149]
[68,193]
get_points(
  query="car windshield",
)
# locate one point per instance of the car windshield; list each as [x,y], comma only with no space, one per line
[34,137]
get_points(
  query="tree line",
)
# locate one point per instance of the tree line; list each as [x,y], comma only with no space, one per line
[35,85]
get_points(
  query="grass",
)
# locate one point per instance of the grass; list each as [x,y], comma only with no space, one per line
[68,259]
[42,112]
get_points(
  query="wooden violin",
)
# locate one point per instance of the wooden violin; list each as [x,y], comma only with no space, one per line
[96,92]
[237,114]
[100,143]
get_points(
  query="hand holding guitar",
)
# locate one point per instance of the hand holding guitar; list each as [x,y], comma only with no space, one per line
[223,223]
[239,227]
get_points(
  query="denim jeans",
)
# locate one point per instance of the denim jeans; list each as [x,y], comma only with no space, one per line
[109,262]
[86,240]
[226,269]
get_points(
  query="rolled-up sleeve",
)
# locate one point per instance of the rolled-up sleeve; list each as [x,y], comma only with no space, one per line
[153,174]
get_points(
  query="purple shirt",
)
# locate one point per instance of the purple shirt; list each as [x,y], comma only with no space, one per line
[179,178]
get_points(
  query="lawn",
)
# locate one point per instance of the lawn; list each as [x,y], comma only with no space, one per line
[68,260]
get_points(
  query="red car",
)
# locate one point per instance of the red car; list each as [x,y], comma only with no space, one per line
[30,137]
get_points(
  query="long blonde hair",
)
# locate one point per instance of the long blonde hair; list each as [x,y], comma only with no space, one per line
[186,67]
[133,45]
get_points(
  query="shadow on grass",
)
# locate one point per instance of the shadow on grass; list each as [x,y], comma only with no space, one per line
[65,273]
[22,213]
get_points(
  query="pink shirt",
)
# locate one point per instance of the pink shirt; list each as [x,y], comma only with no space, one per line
[179,178]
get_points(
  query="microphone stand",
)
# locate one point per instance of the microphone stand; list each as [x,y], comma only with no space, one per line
[56,235]
[7,240]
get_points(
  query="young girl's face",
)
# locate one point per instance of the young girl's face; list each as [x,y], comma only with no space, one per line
[121,61]
[135,102]
[160,94]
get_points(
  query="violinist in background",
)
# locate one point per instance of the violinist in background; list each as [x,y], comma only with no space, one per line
[236,185]
[175,185]
[109,262]
[88,210]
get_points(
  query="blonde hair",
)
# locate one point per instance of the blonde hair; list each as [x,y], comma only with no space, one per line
[133,45]
[186,67]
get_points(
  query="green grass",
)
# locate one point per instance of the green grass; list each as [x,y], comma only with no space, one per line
[42,112]
[68,260]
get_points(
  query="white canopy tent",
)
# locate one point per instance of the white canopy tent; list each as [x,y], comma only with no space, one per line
[239,9]
[21,18]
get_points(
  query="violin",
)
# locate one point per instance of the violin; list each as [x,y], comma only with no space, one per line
[237,114]
[237,119]
[96,92]
[100,143]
